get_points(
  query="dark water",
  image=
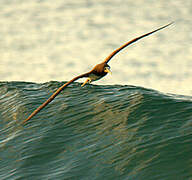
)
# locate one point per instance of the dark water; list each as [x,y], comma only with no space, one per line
[95,132]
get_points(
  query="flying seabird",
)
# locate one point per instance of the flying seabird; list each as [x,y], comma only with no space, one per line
[98,72]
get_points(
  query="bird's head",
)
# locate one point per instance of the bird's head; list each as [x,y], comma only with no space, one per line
[101,69]
[107,68]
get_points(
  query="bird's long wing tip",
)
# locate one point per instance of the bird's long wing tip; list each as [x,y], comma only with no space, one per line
[134,40]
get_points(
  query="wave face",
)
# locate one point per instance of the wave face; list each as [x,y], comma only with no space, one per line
[94,132]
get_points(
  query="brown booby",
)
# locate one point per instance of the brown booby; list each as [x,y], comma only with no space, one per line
[98,72]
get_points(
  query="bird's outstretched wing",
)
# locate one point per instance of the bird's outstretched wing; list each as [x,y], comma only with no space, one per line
[87,74]
[132,41]
[54,95]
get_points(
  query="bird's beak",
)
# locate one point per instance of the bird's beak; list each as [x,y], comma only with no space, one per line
[107,70]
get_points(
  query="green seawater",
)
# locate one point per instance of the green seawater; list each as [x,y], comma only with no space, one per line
[94,132]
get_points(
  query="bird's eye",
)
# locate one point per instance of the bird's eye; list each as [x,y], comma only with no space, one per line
[107,69]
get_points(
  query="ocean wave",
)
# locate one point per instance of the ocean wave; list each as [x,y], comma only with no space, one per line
[94,132]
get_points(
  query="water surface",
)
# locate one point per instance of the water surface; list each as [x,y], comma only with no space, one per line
[95,132]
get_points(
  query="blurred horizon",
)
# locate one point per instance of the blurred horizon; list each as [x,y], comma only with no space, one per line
[45,41]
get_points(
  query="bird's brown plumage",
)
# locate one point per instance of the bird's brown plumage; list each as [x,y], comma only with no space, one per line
[107,59]
[96,73]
